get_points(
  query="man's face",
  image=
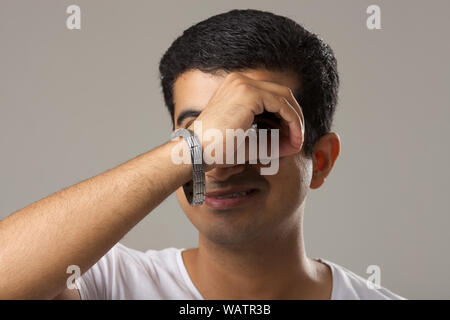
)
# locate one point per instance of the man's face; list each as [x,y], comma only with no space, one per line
[273,208]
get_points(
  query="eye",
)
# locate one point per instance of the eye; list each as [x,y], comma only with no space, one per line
[188,123]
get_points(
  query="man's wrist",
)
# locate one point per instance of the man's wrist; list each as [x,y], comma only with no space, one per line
[194,189]
[183,169]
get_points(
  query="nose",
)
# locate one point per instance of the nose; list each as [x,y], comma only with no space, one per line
[223,173]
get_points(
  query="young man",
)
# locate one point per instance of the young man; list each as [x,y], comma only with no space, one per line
[229,71]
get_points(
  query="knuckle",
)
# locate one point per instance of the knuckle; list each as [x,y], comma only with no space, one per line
[243,87]
[287,92]
[258,105]
[282,100]
[233,76]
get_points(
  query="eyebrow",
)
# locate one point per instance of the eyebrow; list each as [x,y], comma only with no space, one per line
[189,113]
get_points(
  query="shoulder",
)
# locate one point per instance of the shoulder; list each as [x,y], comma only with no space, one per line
[149,259]
[125,273]
[120,257]
[347,285]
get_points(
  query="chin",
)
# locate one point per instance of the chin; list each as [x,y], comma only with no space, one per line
[227,239]
[229,234]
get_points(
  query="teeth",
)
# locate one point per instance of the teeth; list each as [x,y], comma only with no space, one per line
[233,195]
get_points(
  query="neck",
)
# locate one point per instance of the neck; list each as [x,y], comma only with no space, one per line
[273,266]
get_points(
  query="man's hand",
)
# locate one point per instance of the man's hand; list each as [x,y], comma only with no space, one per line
[239,99]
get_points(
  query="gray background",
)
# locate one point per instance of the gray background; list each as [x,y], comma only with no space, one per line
[77,103]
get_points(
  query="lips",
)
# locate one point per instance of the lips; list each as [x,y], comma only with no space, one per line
[232,195]
[230,198]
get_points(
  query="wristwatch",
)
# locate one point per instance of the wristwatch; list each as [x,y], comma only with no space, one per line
[195,189]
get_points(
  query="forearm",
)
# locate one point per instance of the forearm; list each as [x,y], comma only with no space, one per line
[78,225]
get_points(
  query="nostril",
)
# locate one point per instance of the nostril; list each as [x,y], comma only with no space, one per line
[223,173]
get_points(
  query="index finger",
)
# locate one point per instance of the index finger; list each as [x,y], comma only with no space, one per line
[280,90]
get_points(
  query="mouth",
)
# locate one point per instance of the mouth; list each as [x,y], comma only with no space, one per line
[229,198]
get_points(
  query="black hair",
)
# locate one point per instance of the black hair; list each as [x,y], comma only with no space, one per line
[253,39]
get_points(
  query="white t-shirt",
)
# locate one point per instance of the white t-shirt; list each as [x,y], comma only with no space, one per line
[124,273]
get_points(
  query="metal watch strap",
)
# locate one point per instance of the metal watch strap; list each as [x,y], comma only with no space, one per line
[195,189]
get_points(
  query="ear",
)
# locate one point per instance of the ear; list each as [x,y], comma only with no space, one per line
[326,150]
